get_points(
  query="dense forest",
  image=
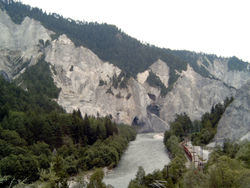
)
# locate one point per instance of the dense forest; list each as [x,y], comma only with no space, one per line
[228,165]
[37,80]
[40,142]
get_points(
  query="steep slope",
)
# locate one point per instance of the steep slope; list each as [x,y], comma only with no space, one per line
[235,122]
[101,88]
[232,71]
[87,83]
[155,79]
[19,44]
[194,95]
[107,41]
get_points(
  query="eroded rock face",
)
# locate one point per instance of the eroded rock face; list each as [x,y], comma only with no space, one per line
[19,44]
[194,95]
[235,122]
[219,68]
[161,70]
[87,83]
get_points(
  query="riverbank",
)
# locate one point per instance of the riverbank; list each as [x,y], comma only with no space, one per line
[83,178]
[147,151]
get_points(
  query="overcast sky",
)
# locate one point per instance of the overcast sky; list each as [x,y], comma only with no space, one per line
[221,27]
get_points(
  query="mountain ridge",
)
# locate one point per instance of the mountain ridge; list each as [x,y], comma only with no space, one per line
[155,93]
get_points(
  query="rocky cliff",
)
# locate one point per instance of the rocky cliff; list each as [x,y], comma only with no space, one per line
[100,88]
[235,122]
[194,95]
[19,44]
[224,70]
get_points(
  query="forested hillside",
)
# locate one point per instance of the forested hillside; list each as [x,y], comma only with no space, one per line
[107,41]
[38,141]
[234,63]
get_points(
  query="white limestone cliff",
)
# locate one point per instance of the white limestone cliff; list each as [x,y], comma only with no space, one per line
[235,122]
[219,68]
[86,81]
[19,44]
[78,72]
[194,95]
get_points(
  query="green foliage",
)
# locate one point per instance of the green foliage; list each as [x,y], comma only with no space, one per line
[4,112]
[38,80]
[140,175]
[224,172]
[29,134]
[192,58]
[96,179]
[60,171]
[154,81]
[12,137]
[120,81]
[207,127]
[195,178]
[172,144]
[180,127]
[227,166]
[143,181]
[201,132]
[236,64]
[15,98]
[20,167]
[108,152]
[243,153]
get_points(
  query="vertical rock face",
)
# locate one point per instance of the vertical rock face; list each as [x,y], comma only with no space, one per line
[19,44]
[87,83]
[21,37]
[220,69]
[235,122]
[194,95]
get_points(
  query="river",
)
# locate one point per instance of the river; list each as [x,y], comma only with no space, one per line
[147,151]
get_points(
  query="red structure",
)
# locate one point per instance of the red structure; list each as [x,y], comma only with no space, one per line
[188,153]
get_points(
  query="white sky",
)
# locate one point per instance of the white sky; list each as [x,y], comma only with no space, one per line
[221,27]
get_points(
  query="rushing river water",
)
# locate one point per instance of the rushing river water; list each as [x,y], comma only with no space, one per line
[147,151]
